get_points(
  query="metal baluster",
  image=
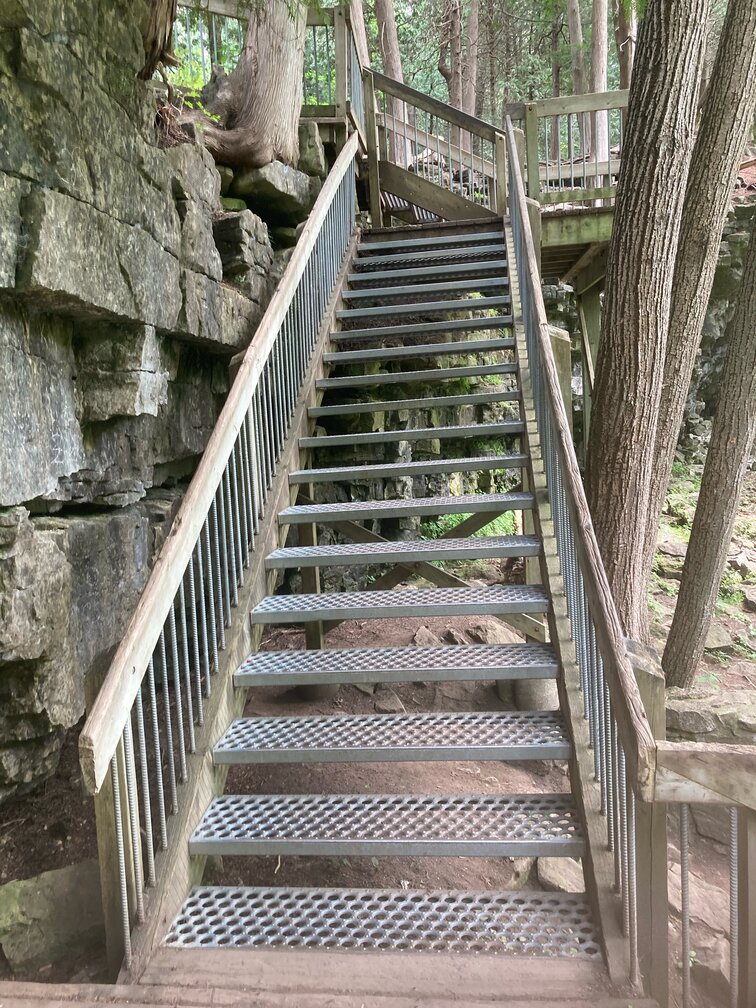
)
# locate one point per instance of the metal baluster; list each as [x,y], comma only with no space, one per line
[632,891]
[121,856]
[624,847]
[252,471]
[734,907]
[228,532]
[220,573]
[178,691]
[211,604]
[246,490]
[145,775]
[203,643]
[685,903]
[132,806]
[158,755]
[187,670]
[197,662]
[168,722]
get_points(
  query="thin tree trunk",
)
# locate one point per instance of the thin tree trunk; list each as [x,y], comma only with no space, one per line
[260,102]
[628,383]
[470,66]
[577,59]
[625,34]
[727,462]
[555,87]
[388,42]
[450,57]
[599,64]
[727,116]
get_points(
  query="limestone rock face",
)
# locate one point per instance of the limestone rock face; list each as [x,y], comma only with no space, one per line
[312,159]
[245,250]
[278,192]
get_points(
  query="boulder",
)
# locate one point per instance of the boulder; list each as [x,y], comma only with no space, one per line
[226,178]
[749,597]
[557,874]
[283,237]
[718,638]
[425,637]
[51,917]
[245,250]
[198,251]
[278,192]
[232,203]
[312,159]
[672,546]
[492,631]
[453,636]
[214,315]
[712,715]
[387,702]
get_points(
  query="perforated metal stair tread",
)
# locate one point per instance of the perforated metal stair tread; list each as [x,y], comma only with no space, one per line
[404,377]
[413,289]
[359,510]
[404,551]
[489,345]
[412,470]
[410,602]
[504,428]
[534,924]
[416,329]
[370,247]
[463,662]
[424,308]
[540,825]
[496,265]
[499,735]
[397,405]
[429,255]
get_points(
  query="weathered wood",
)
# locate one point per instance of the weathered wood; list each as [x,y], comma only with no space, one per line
[746,951]
[437,108]
[371,130]
[725,770]
[594,254]
[633,726]
[531,151]
[594,101]
[651,842]
[598,863]
[502,171]
[341,57]
[534,216]
[549,198]
[112,707]
[428,195]
[436,143]
[577,226]
[356,19]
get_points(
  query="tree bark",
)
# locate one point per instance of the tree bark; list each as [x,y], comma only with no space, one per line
[599,64]
[450,51]
[470,63]
[727,115]
[625,34]
[577,60]
[260,102]
[727,461]
[628,381]
[388,39]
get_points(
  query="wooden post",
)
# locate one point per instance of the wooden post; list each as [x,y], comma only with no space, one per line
[561,346]
[531,151]
[651,842]
[500,155]
[589,311]
[341,60]
[374,185]
[746,908]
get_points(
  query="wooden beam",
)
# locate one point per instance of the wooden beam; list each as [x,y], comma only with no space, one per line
[595,101]
[371,131]
[577,227]
[437,108]
[428,195]
[586,259]
[437,144]
[577,195]
[725,772]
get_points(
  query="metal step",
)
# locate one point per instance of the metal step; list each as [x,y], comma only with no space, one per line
[496,503]
[373,738]
[424,308]
[505,428]
[444,240]
[497,265]
[412,470]
[397,405]
[431,374]
[414,330]
[494,600]
[405,551]
[412,290]
[540,825]
[425,255]
[491,345]
[461,662]
[541,925]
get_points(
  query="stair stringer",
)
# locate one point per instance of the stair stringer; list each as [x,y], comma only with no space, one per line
[598,863]
[226,703]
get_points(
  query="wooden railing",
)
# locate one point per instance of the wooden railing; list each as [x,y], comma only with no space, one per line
[167,693]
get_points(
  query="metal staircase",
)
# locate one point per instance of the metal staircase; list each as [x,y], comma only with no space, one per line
[392,282]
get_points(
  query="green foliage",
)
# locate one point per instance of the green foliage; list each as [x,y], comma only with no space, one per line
[201,41]
[502,525]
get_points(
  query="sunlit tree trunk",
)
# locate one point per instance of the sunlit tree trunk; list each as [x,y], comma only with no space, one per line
[625,34]
[577,60]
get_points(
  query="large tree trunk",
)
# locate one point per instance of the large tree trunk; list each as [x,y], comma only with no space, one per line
[260,102]
[727,115]
[625,34]
[727,462]
[628,383]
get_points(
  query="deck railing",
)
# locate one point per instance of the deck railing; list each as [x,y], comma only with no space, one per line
[619,689]
[148,717]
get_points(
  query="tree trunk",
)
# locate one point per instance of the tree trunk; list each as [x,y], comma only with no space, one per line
[260,102]
[628,382]
[577,59]
[388,42]
[599,63]
[727,462]
[625,34]
[450,54]
[554,152]
[727,116]
[470,63]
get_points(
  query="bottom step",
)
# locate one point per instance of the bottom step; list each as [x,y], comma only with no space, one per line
[499,923]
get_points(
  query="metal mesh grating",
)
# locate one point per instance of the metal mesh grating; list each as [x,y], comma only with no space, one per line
[381,552]
[521,923]
[471,661]
[531,732]
[415,272]
[403,825]
[459,504]
[433,257]
[468,464]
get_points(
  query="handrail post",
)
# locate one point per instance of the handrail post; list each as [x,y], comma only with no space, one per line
[531,150]
[340,55]
[746,941]
[371,130]
[500,157]
[651,842]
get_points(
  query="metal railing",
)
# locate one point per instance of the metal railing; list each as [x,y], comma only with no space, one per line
[437,142]
[320,62]
[148,716]
[356,87]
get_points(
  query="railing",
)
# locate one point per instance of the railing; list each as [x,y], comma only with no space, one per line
[439,143]
[148,717]
[621,700]
[573,146]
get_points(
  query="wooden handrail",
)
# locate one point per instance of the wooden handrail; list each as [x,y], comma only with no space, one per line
[437,108]
[356,20]
[401,128]
[593,101]
[634,730]
[111,709]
